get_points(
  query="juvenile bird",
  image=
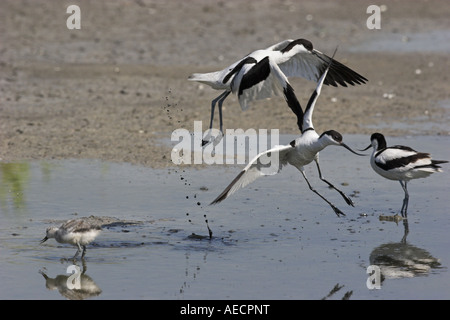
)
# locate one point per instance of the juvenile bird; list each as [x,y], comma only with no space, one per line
[77,232]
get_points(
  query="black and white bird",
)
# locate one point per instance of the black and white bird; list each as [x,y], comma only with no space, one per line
[400,163]
[77,232]
[264,73]
[298,153]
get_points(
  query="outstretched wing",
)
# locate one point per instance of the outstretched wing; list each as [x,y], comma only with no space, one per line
[266,163]
[311,63]
[307,119]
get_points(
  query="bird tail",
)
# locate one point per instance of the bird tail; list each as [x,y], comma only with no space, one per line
[211,78]
[438,161]
[431,167]
[201,76]
[435,163]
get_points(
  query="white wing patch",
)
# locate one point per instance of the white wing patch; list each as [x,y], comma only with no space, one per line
[390,154]
[303,64]
[266,163]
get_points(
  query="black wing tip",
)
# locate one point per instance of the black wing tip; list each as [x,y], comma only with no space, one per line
[293,104]
[436,162]
[344,83]
[343,75]
[226,192]
[329,82]
[341,79]
[220,198]
[217,200]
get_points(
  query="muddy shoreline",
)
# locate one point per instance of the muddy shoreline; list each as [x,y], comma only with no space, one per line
[115,88]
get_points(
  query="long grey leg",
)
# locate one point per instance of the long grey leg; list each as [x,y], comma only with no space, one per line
[220,109]
[405,200]
[219,99]
[406,230]
[346,198]
[336,210]
[84,252]
[78,251]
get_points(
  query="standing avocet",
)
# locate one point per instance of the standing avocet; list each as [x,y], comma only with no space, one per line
[400,163]
[298,153]
[77,232]
[264,73]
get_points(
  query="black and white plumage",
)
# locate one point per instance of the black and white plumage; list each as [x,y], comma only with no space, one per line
[298,153]
[264,73]
[400,163]
[77,232]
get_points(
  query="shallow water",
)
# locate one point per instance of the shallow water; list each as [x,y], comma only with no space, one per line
[433,41]
[274,239]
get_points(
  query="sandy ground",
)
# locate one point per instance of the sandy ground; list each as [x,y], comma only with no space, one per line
[114,88]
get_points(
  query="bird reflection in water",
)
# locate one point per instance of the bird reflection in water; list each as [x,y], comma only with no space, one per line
[402,260]
[87,289]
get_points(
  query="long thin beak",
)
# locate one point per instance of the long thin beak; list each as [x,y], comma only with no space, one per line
[348,148]
[43,240]
[366,148]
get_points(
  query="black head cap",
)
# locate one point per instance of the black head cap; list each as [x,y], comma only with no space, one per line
[380,139]
[336,136]
[306,43]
